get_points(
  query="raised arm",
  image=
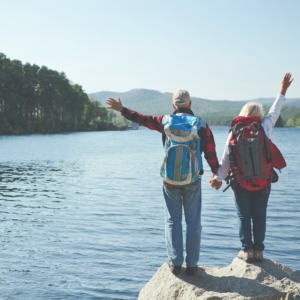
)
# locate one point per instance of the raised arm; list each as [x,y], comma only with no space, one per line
[151,122]
[286,82]
[275,109]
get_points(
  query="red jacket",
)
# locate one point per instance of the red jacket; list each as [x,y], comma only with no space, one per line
[155,123]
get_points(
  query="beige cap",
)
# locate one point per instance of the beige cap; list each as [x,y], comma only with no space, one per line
[181,97]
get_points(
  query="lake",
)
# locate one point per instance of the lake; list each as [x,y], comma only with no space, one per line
[82,214]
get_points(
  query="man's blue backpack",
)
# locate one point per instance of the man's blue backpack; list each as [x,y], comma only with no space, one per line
[181,160]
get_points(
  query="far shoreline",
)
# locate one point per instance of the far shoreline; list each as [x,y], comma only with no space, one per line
[113,129]
[63,132]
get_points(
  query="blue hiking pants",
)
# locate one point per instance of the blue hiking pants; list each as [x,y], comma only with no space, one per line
[188,198]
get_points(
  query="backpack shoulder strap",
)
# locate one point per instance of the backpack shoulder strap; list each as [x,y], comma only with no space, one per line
[165,119]
[236,132]
[202,122]
[201,129]
[267,146]
[168,119]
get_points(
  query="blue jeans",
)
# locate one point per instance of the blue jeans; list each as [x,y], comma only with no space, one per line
[190,199]
[252,205]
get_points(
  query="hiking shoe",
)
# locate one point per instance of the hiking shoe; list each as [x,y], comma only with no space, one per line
[190,271]
[174,269]
[246,256]
[258,255]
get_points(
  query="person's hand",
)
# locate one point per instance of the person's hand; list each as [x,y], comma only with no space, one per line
[286,82]
[116,105]
[214,183]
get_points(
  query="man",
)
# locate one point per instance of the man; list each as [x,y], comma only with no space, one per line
[188,196]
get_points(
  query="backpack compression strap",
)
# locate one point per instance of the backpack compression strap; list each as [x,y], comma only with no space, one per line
[237,130]
[181,136]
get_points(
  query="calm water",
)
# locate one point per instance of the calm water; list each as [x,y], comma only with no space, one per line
[82,214]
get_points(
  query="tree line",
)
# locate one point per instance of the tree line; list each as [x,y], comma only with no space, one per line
[220,120]
[36,99]
[294,121]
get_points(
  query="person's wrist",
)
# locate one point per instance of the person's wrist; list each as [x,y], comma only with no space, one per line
[283,91]
[217,178]
[121,109]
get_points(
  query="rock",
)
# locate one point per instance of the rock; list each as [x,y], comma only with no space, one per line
[268,280]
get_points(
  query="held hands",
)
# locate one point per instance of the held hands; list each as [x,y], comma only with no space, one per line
[214,183]
[286,82]
[116,105]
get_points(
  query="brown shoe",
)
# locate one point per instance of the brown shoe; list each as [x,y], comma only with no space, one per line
[258,255]
[247,256]
[190,271]
[174,269]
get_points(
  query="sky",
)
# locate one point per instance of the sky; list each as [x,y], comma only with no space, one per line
[216,49]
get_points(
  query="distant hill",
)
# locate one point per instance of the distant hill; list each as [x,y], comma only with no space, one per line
[215,112]
[295,103]
[157,103]
[269,101]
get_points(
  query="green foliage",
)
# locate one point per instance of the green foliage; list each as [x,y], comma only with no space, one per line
[279,122]
[111,116]
[287,112]
[36,99]
[122,120]
[96,114]
[225,120]
[294,103]
[218,120]
[294,121]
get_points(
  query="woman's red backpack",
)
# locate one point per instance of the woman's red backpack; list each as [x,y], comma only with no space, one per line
[252,155]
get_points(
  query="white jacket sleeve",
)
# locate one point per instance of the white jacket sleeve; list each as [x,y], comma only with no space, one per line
[274,112]
[224,163]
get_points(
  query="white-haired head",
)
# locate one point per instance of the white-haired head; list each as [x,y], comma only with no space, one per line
[252,109]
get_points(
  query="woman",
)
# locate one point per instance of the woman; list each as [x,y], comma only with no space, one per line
[252,192]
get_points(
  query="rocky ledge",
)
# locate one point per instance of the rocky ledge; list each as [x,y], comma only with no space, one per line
[268,280]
